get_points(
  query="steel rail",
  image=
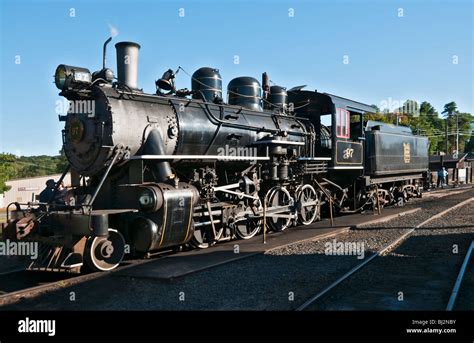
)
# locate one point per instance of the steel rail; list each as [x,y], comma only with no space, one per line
[379,253]
[457,284]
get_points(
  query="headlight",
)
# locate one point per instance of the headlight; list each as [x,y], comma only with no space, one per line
[67,77]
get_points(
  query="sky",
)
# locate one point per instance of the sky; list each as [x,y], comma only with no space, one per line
[376,52]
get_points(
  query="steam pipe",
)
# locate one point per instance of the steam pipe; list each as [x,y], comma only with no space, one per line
[266,88]
[154,146]
[104,52]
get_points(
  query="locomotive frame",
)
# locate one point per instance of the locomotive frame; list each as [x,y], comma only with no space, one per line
[182,168]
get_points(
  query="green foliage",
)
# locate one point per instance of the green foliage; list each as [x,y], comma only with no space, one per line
[16,167]
[465,131]
[7,170]
[382,117]
[450,108]
[424,120]
[62,161]
[426,108]
[470,145]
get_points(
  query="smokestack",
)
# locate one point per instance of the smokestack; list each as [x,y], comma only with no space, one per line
[127,64]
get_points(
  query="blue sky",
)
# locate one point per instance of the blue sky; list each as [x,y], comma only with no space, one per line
[391,57]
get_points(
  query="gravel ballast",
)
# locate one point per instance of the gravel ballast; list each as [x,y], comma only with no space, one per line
[281,279]
[417,275]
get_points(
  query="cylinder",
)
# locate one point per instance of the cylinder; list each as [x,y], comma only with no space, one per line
[283,171]
[145,234]
[278,98]
[206,84]
[245,91]
[127,64]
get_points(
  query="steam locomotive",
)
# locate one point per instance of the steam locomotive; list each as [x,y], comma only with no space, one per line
[180,168]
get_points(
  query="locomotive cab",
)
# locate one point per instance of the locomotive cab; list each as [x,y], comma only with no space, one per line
[338,125]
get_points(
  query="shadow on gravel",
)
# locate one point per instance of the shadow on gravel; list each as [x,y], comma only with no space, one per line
[447,226]
[261,282]
[417,275]
[23,279]
[424,268]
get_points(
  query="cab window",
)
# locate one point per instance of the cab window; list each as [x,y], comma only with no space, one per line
[342,123]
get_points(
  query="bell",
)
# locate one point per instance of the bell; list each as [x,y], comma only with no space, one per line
[166,82]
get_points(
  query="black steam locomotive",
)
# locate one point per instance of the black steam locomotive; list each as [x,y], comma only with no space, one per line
[183,168]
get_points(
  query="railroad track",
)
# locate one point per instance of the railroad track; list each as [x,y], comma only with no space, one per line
[320,295]
[457,284]
[20,282]
[440,193]
[40,286]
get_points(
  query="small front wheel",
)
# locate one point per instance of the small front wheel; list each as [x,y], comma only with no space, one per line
[104,253]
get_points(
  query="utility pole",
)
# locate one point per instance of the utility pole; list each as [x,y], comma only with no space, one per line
[446,135]
[457,134]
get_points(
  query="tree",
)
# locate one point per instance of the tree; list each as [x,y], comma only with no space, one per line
[377,109]
[465,131]
[7,170]
[470,144]
[12,166]
[459,124]
[450,108]
[430,124]
[427,108]
[62,162]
